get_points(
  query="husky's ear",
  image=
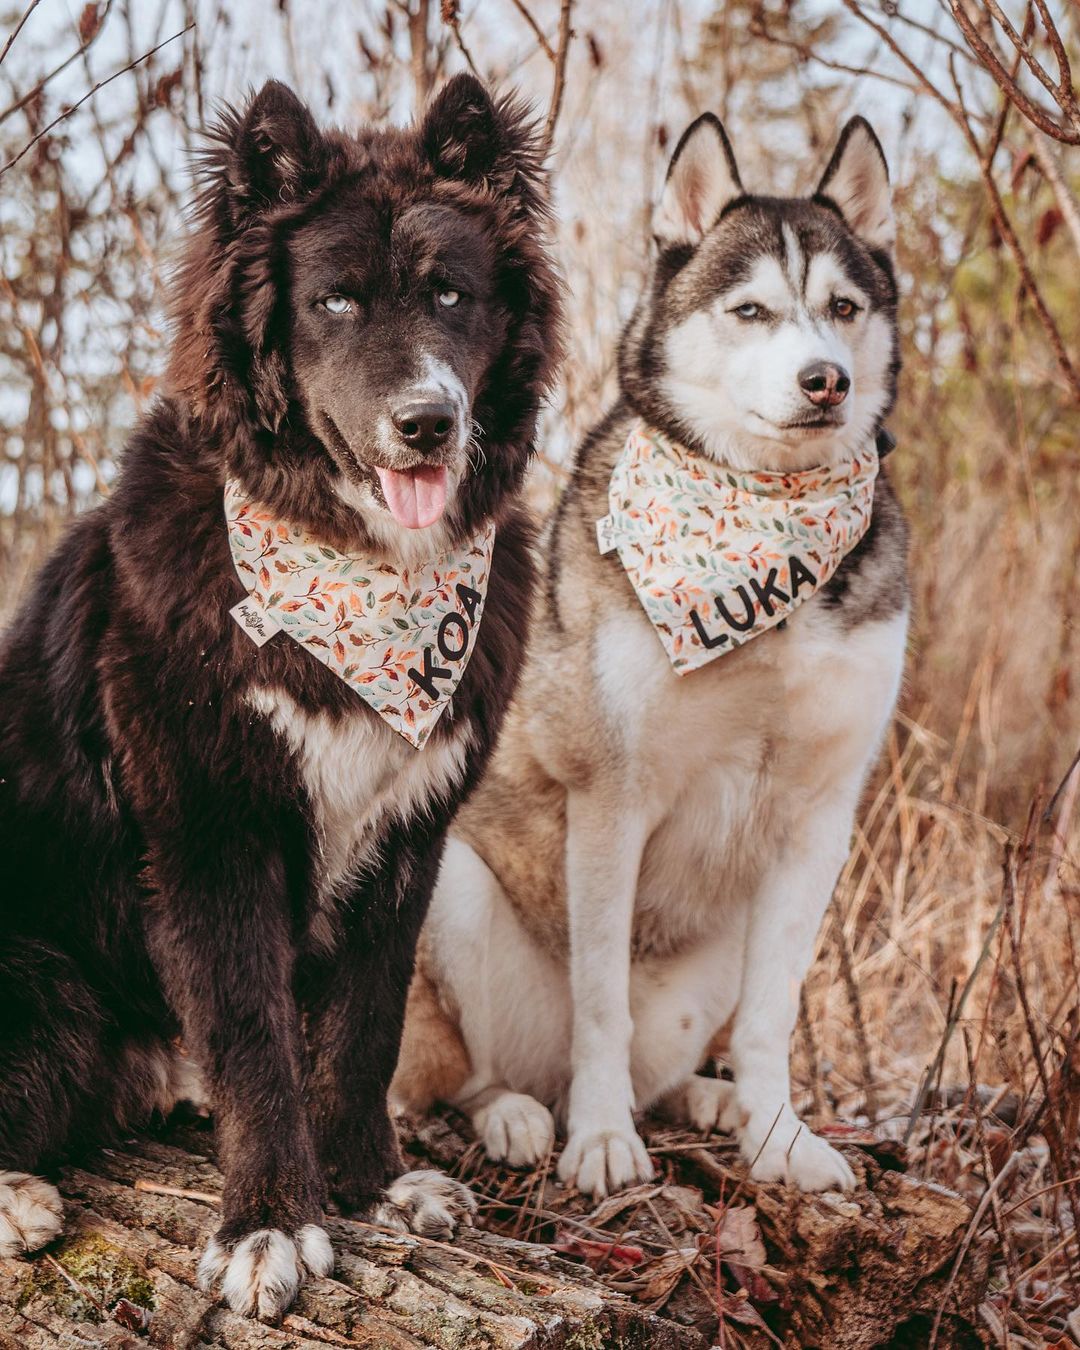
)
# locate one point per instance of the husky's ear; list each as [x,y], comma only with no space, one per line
[856,182]
[701,180]
[273,151]
[468,135]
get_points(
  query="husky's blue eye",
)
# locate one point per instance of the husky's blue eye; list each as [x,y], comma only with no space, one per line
[449,298]
[337,304]
[844,308]
[749,311]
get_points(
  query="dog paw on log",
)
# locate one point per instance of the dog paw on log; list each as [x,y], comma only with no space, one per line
[124,1276]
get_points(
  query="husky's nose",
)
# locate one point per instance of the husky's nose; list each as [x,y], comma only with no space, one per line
[424,426]
[824,384]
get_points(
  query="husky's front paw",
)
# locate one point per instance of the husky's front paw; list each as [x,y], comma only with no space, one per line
[31,1213]
[262,1273]
[794,1154]
[427,1203]
[516,1128]
[605,1161]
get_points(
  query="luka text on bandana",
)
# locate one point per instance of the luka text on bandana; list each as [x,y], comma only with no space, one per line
[718,555]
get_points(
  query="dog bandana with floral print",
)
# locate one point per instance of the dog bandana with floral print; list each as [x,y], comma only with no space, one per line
[400,636]
[719,555]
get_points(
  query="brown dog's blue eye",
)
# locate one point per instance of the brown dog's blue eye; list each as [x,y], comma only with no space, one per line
[337,304]
[749,310]
[448,299]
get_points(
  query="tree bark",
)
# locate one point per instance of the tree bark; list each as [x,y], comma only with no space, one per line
[128,1256]
[873,1271]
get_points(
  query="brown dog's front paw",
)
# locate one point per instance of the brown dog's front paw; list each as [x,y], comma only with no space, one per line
[261,1274]
[427,1203]
[31,1213]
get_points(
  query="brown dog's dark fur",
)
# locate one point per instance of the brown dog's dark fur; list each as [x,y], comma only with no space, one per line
[159,854]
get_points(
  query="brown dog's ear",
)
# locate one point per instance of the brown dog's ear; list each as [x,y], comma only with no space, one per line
[468,135]
[274,152]
[460,131]
[702,179]
[856,182]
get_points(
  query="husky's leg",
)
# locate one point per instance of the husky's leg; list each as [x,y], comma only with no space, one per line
[677,1004]
[783,921]
[604,842]
[484,983]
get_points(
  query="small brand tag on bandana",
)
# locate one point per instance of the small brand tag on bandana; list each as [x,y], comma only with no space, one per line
[719,555]
[254,620]
[400,637]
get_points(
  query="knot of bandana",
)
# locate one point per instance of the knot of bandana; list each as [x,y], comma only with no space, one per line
[718,555]
[401,637]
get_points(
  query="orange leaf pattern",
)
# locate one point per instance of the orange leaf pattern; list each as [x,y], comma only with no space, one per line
[719,555]
[371,623]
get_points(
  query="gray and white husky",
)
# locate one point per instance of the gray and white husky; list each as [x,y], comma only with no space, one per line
[649,857]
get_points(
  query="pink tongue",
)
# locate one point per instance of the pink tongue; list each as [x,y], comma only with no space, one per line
[416,498]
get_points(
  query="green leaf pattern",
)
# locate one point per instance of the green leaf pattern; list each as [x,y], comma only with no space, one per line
[687,529]
[365,619]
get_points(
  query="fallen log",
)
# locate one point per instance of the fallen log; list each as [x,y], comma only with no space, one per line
[123,1277]
[849,1274]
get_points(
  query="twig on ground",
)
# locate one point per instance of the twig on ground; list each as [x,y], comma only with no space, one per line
[179,1192]
[77,1285]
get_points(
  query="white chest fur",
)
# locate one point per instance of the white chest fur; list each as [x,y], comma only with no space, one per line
[731,758]
[359,776]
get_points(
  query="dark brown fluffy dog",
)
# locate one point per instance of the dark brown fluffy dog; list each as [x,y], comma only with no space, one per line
[357,318]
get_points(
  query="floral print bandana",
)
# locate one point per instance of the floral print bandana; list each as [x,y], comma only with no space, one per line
[717,555]
[401,637]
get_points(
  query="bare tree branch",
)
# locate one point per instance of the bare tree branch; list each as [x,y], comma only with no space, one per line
[1062,92]
[89,94]
[807,53]
[18,28]
[963,118]
[562,51]
[80,51]
[1009,235]
[1067,204]
[452,18]
[538,32]
[920,77]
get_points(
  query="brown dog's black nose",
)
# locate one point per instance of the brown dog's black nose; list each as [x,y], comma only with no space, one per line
[824,384]
[424,426]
